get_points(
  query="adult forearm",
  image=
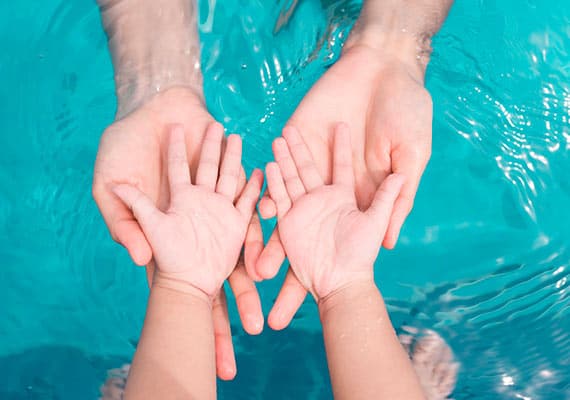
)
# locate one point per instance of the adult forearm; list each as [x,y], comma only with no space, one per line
[175,355]
[400,27]
[154,46]
[366,360]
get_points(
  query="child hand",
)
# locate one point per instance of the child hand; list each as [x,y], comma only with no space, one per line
[330,243]
[196,242]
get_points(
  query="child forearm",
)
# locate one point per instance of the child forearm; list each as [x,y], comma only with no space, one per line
[154,46]
[175,355]
[366,360]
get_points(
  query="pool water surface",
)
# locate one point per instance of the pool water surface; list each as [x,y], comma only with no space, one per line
[483,259]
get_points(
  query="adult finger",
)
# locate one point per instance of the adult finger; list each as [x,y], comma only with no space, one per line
[207,173]
[253,244]
[411,165]
[303,159]
[225,356]
[290,298]
[250,195]
[271,257]
[273,254]
[253,247]
[122,225]
[247,300]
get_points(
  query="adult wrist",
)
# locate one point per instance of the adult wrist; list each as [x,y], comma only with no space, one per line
[391,46]
[154,45]
[400,30]
[136,89]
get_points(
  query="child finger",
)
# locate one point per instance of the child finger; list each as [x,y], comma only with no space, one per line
[242,182]
[277,189]
[230,170]
[303,159]
[207,173]
[142,206]
[383,203]
[288,169]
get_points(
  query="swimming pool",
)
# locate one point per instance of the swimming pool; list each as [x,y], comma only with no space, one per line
[483,259]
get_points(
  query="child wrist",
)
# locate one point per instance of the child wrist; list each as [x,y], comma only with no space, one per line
[345,294]
[182,287]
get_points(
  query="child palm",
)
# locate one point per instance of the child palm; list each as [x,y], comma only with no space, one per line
[197,241]
[330,243]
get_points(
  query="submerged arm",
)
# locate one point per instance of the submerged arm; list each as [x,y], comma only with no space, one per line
[401,28]
[154,46]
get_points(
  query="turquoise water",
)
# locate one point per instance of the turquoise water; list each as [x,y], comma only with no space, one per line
[483,259]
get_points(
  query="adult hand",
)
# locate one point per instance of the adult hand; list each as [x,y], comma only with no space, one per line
[379,93]
[132,151]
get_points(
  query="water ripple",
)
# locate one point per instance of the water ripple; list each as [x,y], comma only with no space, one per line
[488,268]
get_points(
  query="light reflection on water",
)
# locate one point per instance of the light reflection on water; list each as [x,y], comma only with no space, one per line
[483,259]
